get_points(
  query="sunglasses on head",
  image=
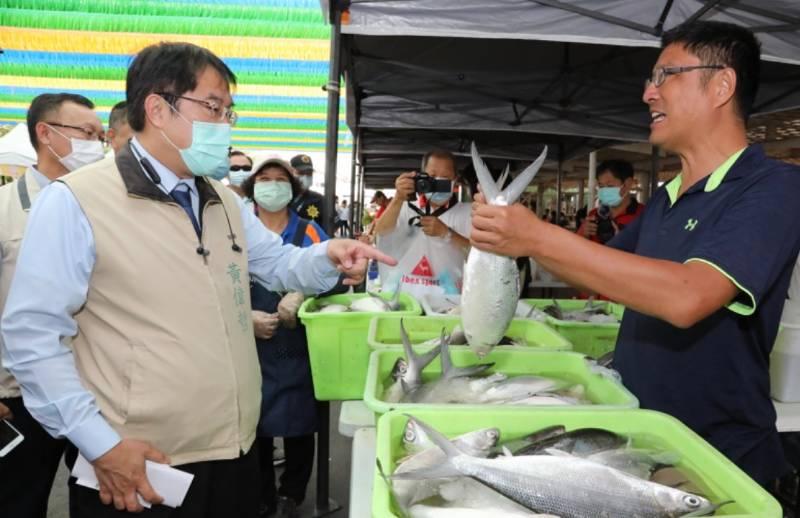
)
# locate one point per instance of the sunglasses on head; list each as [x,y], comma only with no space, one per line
[246,168]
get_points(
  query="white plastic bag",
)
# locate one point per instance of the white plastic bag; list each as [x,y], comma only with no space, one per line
[428,265]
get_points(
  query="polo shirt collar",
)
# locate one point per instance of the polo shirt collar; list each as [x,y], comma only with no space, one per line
[712,182]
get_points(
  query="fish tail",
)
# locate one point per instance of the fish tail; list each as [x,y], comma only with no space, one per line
[521,182]
[489,188]
[379,299]
[420,360]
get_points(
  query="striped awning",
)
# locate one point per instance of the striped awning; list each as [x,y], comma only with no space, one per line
[277,48]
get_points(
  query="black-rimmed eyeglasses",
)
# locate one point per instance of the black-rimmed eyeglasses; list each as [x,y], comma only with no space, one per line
[90,134]
[216,110]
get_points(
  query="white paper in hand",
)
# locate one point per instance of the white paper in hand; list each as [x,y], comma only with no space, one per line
[172,484]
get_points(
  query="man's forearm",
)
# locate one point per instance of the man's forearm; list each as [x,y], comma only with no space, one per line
[678,293]
[459,240]
[388,220]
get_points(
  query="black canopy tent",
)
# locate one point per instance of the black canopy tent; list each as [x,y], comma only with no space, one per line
[514,73]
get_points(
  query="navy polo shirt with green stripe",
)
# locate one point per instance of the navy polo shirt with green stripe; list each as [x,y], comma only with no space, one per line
[743,220]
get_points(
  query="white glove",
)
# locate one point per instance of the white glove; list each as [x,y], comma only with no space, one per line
[265,324]
[288,308]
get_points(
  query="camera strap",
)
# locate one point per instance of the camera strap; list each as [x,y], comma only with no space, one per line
[415,221]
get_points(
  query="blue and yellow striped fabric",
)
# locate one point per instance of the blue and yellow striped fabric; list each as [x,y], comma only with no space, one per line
[277,48]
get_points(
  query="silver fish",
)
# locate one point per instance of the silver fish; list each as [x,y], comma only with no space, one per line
[407,492]
[519,387]
[591,312]
[430,511]
[491,282]
[581,442]
[415,440]
[369,304]
[450,386]
[568,487]
[546,400]
[389,305]
[407,373]
[635,461]
[334,308]
[467,493]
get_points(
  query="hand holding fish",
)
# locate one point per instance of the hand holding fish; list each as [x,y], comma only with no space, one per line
[503,230]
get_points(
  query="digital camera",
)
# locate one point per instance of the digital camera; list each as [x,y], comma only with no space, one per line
[425,183]
[605,230]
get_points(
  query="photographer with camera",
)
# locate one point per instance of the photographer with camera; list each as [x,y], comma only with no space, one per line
[430,238]
[617,207]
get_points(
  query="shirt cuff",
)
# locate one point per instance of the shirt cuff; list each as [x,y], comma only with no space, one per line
[324,268]
[735,306]
[94,438]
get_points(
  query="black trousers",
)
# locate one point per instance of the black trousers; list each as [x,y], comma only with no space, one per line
[297,470]
[220,489]
[27,472]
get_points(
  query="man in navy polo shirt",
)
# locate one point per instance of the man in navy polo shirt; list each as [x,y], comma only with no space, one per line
[704,271]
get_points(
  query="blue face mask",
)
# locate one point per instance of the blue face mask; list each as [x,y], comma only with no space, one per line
[439,198]
[210,148]
[238,177]
[609,196]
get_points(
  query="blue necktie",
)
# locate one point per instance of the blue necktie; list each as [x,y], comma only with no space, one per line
[181,194]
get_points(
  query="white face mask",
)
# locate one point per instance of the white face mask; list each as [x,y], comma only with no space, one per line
[305,181]
[84,152]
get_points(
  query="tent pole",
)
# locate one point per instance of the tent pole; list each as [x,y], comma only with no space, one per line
[592,179]
[324,504]
[655,165]
[559,182]
[332,128]
[353,168]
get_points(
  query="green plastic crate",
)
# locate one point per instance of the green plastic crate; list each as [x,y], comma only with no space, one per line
[588,338]
[337,344]
[709,469]
[385,332]
[513,361]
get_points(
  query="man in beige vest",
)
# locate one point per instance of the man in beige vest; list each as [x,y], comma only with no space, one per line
[119,131]
[128,321]
[65,132]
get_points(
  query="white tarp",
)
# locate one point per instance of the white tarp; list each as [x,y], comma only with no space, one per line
[573,69]
[532,20]
[16,148]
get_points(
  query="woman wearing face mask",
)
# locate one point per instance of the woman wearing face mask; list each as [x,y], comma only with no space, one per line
[288,408]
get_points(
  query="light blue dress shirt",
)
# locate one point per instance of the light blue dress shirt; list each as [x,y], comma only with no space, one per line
[40,178]
[51,284]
